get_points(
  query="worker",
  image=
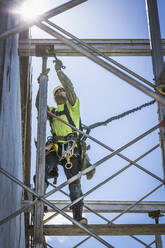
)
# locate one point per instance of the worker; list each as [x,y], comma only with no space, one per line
[64,147]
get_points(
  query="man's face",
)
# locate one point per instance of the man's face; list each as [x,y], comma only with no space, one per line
[60,96]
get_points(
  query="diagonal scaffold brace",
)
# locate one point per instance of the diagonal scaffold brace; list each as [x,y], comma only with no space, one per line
[42,198]
[104,64]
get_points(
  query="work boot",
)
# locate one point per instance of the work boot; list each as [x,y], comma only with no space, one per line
[77,215]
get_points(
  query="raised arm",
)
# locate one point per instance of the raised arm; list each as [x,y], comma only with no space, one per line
[66,82]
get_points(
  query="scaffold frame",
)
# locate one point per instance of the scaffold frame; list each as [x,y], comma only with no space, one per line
[92,52]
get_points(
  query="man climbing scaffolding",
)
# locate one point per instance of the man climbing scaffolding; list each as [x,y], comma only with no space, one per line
[66,147]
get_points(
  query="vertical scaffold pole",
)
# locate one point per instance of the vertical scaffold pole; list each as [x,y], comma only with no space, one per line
[156,215]
[158,67]
[158,237]
[158,63]
[40,165]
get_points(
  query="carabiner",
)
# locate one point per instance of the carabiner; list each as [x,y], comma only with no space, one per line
[68,166]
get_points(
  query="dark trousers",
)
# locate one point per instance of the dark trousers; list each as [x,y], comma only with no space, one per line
[51,170]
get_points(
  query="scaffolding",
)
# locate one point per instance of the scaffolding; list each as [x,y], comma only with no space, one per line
[73,46]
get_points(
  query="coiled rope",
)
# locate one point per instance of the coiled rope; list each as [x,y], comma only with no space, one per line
[117,117]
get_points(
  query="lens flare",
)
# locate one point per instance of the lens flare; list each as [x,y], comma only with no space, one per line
[30,10]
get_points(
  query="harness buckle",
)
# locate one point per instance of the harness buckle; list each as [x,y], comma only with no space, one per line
[67,153]
[68,166]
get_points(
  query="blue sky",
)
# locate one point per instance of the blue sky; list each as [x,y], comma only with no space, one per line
[103,95]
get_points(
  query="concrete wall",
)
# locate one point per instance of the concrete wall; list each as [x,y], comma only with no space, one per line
[11,233]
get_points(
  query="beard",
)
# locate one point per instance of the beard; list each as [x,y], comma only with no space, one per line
[60,99]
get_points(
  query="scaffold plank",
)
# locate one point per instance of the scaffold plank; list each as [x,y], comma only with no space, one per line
[112,206]
[104,229]
[110,47]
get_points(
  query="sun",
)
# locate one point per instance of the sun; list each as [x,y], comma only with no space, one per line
[30,10]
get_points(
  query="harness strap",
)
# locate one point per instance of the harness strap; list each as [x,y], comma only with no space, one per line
[64,112]
[68,115]
[51,148]
[59,113]
[71,136]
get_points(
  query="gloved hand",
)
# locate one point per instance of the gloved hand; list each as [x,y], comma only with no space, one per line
[58,64]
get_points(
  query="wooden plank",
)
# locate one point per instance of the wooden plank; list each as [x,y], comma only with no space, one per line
[112,206]
[110,47]
[104,230]
[40,167]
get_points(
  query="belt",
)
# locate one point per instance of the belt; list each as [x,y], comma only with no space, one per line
[71,136]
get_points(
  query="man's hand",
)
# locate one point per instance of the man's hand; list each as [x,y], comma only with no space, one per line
[58,64]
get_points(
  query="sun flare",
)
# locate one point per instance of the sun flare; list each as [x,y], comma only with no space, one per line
[30,9]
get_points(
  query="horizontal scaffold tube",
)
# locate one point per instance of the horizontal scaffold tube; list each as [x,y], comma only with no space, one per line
[105,230]
[104,64]
[94,50]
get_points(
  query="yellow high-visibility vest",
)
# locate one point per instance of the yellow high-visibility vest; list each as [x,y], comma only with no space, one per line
[60,129]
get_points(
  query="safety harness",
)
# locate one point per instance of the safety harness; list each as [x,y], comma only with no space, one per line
[71,140]
[74,145]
